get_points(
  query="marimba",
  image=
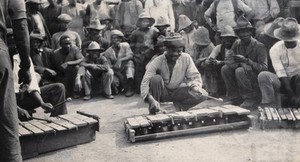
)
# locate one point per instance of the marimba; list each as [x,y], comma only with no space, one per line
[205,120]
[279,117]
[38,136]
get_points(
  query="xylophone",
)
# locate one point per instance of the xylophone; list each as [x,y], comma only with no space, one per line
[269,117]
[205,120]
[38,136]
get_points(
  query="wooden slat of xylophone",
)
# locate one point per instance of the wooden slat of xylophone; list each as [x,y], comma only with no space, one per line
[56,126]
[153,118]
[223,110]
[288,114]
[186,115]
[296,113]
[163,117]
[23,131]
[273,113]
[142,121]
[292,114]
[238,110]
[73,120]
[281,114]
[268,113]
[64,123]
[42,126]
[210,112]
[32,128]
[133,123]
[85,118]
[198,113]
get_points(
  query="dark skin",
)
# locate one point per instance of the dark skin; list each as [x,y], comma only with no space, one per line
[172,55]
[66,46]
[245,35]
[21,35]
[116,40]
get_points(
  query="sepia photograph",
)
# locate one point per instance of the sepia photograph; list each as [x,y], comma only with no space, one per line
[149,81]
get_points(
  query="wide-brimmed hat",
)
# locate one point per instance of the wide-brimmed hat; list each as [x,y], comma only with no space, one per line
[145,15]
[201,37]
[162,21]
[94,46]
[227,31]
[117,32]
[183,22]
[36,35]
[103,17]
[174,40]
[34,1]
[64,17]
[289,30]
[95,24]
[242,23]
[270,27]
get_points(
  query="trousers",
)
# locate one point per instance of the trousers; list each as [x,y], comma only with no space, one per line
[180,97]
[10,150]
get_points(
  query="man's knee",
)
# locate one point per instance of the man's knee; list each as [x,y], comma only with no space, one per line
[240,71]
[59,87]
[225,69]
[156,79]
[264,77]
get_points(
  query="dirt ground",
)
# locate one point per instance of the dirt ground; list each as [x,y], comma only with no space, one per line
[111,145]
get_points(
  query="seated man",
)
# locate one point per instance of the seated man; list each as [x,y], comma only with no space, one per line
[95,68]
[286,62]
[40,57]
[120,58]
[32,96]
[246,60]
[172,76]
[65,61]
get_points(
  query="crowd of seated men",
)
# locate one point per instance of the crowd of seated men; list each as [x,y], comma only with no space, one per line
[165,50]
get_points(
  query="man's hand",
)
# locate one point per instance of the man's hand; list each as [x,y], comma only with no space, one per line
[47,107]
[154,106]
[197,92]
[64,65]
[49,72]
[118,64]
[78,84]
[240,58]
[23,114]
[24,76]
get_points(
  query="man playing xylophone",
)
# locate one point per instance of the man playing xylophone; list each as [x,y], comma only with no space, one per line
[172,76]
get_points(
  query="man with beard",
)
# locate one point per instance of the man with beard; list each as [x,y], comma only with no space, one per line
[174,77]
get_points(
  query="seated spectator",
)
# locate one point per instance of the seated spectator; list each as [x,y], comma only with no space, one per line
[65,19]
[94,34]
[95,69]
[159,48]
[282,88]
[187,30]
[65,61]
[30,97]
[127,14]
[162,26]
[246,60]
[41,58]
[120,59]
[142,44]
[202,48]
[217,57]
[268,39]
[264,11]
[36,21]
[97,8]
[173,77]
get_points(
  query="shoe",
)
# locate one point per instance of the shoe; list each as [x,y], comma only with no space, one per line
[129,92]
[87,97]
[108,96]
[248,103]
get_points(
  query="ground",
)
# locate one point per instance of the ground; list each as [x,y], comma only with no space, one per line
[111,145]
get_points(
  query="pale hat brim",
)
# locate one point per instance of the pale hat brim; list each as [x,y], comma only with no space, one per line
[99,28]
[279,34]
[183,27]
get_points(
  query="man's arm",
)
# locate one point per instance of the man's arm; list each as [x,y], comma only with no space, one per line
[21,36]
